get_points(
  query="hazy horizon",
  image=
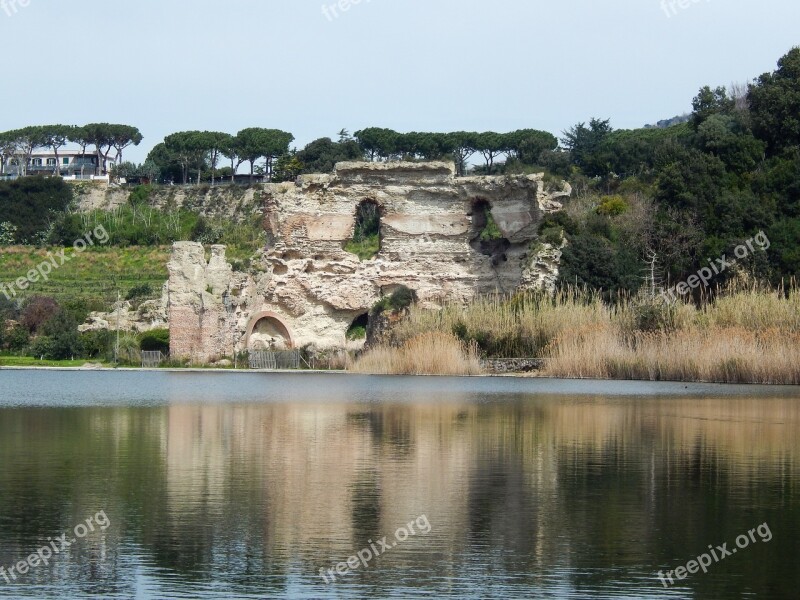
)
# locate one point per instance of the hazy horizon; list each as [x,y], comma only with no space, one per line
[312,69]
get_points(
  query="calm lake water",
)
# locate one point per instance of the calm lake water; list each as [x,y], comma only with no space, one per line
[246,485]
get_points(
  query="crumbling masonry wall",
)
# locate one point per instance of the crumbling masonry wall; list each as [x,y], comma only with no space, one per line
[305,289]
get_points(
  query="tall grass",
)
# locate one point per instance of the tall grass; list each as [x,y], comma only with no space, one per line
[715,354]
[520,326]
[430,353]
[743,335]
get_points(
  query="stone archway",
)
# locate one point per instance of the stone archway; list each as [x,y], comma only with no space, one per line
[267,331]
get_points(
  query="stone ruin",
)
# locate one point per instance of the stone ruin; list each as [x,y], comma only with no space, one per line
[304,289]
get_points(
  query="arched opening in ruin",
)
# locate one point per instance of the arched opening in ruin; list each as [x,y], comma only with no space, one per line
[485,235]
[366,242]
[358,328]
[268,332]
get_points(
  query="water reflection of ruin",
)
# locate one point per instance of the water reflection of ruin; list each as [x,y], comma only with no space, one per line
[329,476]
[543,485]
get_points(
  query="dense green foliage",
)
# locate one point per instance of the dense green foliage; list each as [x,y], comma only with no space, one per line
[689,193]
[30,205]
[524,145]
[187,154]
[47,330]
[320,156]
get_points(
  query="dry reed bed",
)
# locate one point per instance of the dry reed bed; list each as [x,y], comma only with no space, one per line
[746,335]
[431,353]
[716,354]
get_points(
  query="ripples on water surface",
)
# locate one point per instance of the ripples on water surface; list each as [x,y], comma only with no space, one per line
[244,486]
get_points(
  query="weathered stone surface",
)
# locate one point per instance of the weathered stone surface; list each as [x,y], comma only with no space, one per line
[307,286]
[222,200]
[149,315]
[542,267]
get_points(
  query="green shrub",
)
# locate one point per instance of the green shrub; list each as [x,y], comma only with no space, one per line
[62,331]
[42,348]
[241,265]
[9,309]
[491,231]
[357,332]
[461,332]
[17,339]
[140,194]
[552,235]
[98,344]
[206,231]
[559,219]
[400,299]
[366,248]
[358,329]
[78,309]
[140,291]
[8,232]
[612,206]
[129,349]
[381,305]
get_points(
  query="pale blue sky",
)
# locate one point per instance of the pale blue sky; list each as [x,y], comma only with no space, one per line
[435,65]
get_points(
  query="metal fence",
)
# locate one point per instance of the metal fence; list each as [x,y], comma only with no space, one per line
[266,360]
[152,360]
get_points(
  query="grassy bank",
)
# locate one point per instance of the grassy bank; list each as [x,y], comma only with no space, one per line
[745,335]
[27,361]
[93,276]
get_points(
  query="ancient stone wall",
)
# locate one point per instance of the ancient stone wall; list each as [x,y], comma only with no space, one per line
[305,288]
